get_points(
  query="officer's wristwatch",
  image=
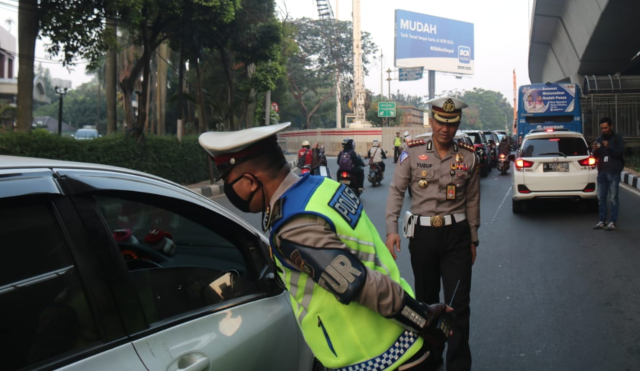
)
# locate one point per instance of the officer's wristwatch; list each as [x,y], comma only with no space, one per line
[476,242]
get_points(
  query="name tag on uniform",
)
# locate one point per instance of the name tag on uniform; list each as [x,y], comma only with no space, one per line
[606,159]
[451,191]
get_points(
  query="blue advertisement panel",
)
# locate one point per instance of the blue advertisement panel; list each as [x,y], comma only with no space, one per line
[435,43]
[410,73]
[551,99]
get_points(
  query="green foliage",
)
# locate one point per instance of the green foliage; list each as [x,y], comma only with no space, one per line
[165,157]
[488,109]
[79,108]
[633,162]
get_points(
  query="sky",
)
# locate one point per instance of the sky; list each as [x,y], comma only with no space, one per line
[501,38]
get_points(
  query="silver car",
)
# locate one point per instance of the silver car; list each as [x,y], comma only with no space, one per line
[111,269]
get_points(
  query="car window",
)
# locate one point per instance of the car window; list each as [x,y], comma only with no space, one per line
[178,265]
[554,147]
[44,313]
[475,138]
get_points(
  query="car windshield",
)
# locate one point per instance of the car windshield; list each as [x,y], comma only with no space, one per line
[553,147]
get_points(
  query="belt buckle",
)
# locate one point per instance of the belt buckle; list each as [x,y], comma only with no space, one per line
[437,221]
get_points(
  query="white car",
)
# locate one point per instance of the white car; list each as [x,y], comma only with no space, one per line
[553,164]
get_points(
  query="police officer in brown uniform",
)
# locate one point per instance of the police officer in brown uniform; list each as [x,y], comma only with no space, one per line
[442,225]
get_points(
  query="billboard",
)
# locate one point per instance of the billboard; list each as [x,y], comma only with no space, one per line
[410,73]
[435,43]
[547,99]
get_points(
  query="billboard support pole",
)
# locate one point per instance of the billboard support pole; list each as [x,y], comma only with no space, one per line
[432,84]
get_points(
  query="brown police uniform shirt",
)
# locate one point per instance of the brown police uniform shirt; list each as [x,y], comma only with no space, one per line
[421,162]
[380,293]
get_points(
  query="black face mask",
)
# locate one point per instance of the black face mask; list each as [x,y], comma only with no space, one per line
[239,203]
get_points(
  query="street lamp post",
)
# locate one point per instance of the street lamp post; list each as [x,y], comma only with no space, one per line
[61,92]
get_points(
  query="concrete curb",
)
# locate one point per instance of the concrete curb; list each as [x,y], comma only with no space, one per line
[216,189]
[631,179]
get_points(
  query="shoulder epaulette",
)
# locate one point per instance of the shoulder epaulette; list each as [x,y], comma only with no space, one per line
[466,146]
[414,143]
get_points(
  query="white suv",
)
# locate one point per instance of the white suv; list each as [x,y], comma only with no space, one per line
[553,164]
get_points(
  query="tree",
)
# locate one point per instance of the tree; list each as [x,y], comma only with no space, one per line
[312,65]
[79,107]
[488,109]
[28,31]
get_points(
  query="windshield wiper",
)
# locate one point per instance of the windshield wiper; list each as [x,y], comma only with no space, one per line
[553,153]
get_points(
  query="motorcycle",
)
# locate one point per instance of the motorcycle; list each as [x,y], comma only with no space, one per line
[375,174]
[503,163]
[350,180]
[318,170]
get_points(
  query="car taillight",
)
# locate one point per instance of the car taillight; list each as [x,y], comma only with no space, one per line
[589,161]
[521,163]
[345,174]
[591,187]
[550,130]
[502,155]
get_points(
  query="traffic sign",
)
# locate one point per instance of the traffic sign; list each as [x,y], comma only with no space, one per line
[410,73]
[275,107]
[387,109]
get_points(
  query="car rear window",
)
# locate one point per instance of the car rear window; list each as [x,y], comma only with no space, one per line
[554,147]
[475,137]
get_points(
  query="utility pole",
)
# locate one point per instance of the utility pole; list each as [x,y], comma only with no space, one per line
[358,82]
[381,74]
[389,80]
[338,93]
[61,92]
[515,110]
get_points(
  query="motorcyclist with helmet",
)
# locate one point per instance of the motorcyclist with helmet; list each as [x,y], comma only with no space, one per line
[376,155]
[304,155]
[504,147]
[356,163]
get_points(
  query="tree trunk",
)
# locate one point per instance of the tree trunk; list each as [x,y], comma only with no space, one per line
[161,93]
[251,107]
[142,102]
[128,109]
[232,90]
[28,31]
[111,73]
[202,118]
[180,125]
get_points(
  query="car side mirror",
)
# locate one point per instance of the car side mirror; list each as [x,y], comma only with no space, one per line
[511,158]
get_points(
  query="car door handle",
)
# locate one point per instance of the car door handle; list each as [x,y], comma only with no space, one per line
[193,362]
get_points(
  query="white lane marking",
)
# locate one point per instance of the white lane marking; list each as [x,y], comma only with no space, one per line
[501,203]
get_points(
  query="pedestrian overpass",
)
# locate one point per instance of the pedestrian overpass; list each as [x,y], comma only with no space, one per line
[596,44]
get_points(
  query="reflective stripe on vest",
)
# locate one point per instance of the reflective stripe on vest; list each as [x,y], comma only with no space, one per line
[386,359]
[342,336]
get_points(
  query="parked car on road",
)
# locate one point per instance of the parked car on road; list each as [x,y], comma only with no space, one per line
[106,268]
[554,164]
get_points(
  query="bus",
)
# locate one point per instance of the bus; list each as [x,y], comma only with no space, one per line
[548,106]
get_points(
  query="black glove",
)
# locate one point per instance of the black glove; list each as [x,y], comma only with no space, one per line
[431,322]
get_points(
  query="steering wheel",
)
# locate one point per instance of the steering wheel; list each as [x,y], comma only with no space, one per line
[141,264]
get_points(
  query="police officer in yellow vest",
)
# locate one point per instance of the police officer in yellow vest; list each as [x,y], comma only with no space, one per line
[442,225]
[397,143]
[354,309]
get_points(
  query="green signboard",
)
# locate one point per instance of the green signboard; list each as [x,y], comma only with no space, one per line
[387,109]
